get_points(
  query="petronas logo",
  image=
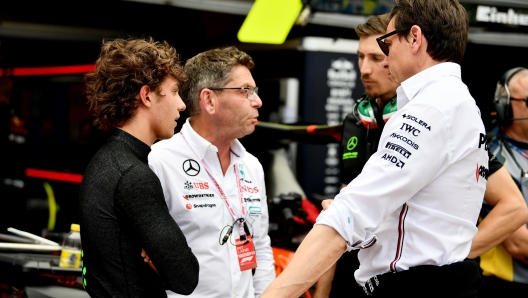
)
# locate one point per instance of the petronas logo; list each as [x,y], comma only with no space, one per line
[241,170]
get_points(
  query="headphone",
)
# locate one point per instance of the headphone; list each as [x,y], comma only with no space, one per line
[368,111]
[503,113]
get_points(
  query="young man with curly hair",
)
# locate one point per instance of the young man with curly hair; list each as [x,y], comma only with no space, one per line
[133,94]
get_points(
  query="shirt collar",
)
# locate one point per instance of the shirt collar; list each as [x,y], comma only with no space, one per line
[201,145]
[412,86]
[514,142]
[140,148]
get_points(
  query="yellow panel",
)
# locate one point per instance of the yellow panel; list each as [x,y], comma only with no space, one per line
[497,262]
[269,21]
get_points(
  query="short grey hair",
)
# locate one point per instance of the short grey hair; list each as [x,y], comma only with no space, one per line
[210,69]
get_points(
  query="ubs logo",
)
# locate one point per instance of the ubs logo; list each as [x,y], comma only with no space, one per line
[188,185]
[197,185]
[191,167]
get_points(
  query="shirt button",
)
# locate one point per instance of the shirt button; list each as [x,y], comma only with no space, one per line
[234,272]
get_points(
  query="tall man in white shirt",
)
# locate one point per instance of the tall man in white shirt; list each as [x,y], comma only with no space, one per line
[509,208]
[413,209]
[213,187]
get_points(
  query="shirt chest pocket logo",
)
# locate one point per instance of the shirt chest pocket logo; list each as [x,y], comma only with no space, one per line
[199,201]
[253,205]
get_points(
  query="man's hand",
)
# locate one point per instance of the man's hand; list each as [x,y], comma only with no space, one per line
[148,261]
[517,244]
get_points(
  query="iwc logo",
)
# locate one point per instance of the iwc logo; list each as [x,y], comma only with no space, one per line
[191,167]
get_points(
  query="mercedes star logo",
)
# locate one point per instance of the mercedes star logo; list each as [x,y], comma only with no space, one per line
[191,167]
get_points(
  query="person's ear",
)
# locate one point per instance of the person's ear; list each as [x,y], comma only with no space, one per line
[416,38]
[208,100]
[144,96]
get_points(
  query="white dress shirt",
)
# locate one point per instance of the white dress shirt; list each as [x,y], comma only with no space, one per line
[418,198]
[196,205]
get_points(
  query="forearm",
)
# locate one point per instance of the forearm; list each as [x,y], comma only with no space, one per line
[324,284]
[317,253]
[517,244]
[500,223]
[508,214]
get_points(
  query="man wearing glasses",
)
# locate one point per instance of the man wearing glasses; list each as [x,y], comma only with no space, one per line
[213,187]
[509,208]
[505,267]
[412,211]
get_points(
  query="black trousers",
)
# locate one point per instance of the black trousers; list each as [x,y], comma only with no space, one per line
[457,280]
[344,283]
[495,287]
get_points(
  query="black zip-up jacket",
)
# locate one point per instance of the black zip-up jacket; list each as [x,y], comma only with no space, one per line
[122,210]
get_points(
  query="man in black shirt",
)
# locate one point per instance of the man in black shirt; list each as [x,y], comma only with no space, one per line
[133,93]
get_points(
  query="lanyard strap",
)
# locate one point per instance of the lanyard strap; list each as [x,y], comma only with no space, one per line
[222,194]
[507,145]
[522,152]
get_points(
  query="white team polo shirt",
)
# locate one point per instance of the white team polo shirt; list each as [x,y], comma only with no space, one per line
[417,200]
[196,205]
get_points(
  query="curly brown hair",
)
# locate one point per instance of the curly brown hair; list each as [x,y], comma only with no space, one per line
[210,69]
[123,67]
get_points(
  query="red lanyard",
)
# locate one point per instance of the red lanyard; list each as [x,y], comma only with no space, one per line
[222,194]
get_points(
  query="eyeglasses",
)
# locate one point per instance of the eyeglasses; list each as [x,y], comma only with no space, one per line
[249,90]
[245,231]
[381,42]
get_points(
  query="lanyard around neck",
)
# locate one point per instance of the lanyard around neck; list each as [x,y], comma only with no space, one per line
[220,190]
